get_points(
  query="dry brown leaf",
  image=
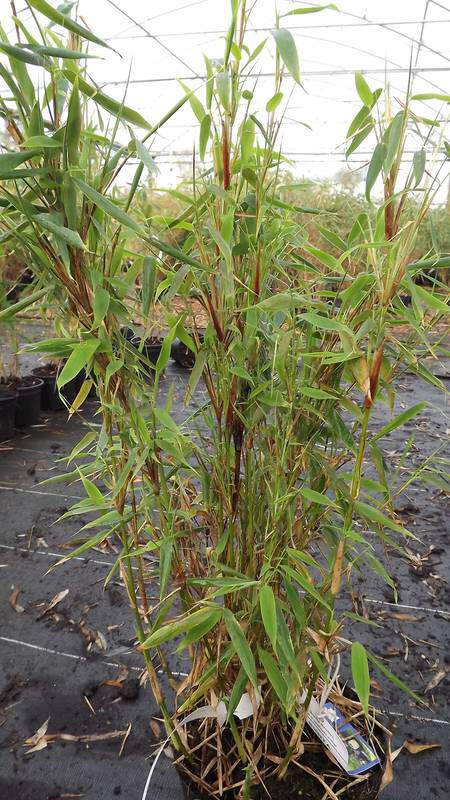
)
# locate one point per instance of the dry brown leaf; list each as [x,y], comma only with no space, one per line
[12,600]
[405,617]
[436,679]
[415,747]
[54,602]
[39,740]
[94,737]
[388,773]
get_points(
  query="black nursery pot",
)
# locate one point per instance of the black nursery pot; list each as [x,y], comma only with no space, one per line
[8,403]
[50,399]
[182,354]
[151,347]
[298,783]
[28,408]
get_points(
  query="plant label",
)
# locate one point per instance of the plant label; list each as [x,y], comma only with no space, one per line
[342,739]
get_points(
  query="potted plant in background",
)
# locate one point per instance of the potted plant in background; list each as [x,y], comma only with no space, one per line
[20,396]
[259,504]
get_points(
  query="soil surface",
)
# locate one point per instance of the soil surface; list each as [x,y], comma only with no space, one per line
[73,664]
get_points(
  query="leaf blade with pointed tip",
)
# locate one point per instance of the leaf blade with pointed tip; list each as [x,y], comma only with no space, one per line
[360,673]
[288,51]
[269,613]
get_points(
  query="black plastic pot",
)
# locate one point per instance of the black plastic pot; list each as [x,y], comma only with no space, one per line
[128,333]
[50,399]
[182,355]
[8,403]
[28,408]
[150,348]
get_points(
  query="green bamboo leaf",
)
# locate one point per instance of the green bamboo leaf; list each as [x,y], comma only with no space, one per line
[223,88]
[64,21]
[315,497]
[72,132]
[269,613]
[431,300]
[296,604]
[392,139]
[149,271]
[274,102]
[45,142]
[108,206]
[393,678]
[9,161]
[101,304]
[274,674]
[432,96]
[57,52]
[288,51]
[360,136]
[400,420]
[114,107]
[79,358]
[205,130]
[67,235]
[312,10]
[306,585]
[241,646]
[198,632]
[319,321]
[363,89]
[194,102]
[375,167]
[360,673]
[325,258]
[78,551]
[145,157]
[25,56]
[11,310]
[247,140]
[178,626]
[374,515]
[419,161]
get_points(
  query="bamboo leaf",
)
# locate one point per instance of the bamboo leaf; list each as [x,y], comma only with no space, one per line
[178,626]
[393,678]
[288,51]
[375,167]
[149,269]
[374,515]
[205,129]
[79,358]
[274,674]
[64,21]
[115,108]
[108,206]
[312,10]
[363,89]
[194,102]
[241,646]
[25,56]
[419,161]
[101,304]
[67,235]
[274,102]
[145,157]
[400,420]
[57,52]
[306,585]
[269,613]
[360,673]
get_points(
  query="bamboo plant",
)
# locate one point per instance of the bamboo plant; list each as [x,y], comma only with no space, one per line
[261,505]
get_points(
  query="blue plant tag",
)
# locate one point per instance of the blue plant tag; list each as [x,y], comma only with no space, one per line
[361,756]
